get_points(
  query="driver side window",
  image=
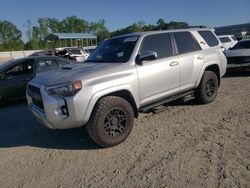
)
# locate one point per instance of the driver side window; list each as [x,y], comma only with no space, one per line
[159,43]
[22,68]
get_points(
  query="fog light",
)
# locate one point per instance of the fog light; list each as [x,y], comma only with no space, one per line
[64,110]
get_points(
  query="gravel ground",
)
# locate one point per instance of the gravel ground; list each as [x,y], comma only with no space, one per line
[187,145]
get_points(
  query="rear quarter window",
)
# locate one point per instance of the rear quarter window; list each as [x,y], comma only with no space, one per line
[209,37]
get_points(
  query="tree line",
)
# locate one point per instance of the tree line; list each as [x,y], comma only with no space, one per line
[11,36]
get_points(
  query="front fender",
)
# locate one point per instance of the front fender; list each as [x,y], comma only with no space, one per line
[96,96]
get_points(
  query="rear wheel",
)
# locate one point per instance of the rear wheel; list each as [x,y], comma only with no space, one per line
[207,90]
[111,121]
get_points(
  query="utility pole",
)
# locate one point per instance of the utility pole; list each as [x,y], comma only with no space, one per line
[28,25]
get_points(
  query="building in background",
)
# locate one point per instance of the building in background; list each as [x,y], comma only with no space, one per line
[239,31]
[73,39]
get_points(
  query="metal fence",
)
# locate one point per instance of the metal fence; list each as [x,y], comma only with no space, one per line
[5,56]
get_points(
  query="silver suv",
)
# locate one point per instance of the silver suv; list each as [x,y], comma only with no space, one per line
[125,75]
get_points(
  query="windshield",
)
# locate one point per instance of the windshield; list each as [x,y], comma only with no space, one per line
[116,50]
[242,45]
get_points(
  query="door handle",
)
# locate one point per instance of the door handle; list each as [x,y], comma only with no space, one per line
[200,57]
[174,63]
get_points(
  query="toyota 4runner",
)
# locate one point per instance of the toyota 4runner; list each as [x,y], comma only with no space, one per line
[125,75]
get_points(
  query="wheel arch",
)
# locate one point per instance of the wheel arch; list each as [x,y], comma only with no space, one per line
[127,95]
[211,67]
[123,93]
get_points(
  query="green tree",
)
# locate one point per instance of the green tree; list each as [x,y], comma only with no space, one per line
[135,27]
[177,25]
[161,24]
[36,42]
[74,24]
[10,36]
[55,25]
[99,29]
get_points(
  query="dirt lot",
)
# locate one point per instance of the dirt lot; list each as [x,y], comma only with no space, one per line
[187,145]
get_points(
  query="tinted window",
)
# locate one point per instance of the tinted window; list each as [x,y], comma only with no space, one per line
[185,42]
[159,43]
[209,37]
[22,68]
[46,64]
[224,39]
[242,45]
[62,52]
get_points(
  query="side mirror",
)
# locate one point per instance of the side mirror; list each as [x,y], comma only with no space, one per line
[146,56]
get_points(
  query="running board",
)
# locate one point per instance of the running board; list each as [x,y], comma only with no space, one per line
[188,95]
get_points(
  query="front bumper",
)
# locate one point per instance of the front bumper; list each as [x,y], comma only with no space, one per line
[40,116]
[49,111]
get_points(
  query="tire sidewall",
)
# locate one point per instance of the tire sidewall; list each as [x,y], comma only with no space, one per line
[100,116]
[209,75]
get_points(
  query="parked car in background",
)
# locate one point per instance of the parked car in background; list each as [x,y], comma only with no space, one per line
[15,74]
[239,55]
[126,75]
[228,41]
[89,49]
[43,53]
[74,53]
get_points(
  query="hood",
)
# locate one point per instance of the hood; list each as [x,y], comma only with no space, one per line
[237,53]
[75,72]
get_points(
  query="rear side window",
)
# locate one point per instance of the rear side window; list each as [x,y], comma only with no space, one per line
[224,39]
[185,42]
[159,43]
[209,37]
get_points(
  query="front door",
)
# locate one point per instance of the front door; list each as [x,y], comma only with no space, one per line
[160,77]
[15,79]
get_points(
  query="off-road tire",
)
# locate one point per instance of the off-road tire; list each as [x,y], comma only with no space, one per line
[202,92]
[103,109]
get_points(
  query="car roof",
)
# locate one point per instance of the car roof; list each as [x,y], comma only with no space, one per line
[138,34]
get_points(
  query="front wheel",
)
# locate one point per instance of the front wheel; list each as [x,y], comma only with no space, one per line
[111,121]
[208,88]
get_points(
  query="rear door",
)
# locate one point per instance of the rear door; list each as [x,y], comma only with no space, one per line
[190,56]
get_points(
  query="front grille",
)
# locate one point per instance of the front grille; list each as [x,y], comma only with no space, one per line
[238,60]
[35,94]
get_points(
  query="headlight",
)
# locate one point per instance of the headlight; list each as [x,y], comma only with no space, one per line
[65,90]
